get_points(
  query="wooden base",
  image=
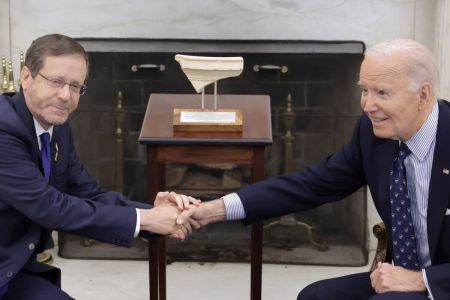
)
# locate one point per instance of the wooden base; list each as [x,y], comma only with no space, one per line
[206,121]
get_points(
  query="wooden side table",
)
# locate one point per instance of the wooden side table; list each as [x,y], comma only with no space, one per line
[163,146]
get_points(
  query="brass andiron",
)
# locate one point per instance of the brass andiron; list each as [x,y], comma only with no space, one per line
[118,159]
[7,83]
[22,63]
[4,86]
[11,88]
[288,167]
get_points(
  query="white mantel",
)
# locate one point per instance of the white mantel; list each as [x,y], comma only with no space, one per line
[369,21]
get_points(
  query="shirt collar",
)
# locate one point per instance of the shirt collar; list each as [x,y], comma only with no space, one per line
[40,130]
[420,143]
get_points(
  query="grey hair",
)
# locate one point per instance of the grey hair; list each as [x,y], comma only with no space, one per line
[419,62]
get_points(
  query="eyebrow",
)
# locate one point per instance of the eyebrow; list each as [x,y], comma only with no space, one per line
[61,78]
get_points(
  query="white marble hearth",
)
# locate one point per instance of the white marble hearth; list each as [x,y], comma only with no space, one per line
[125,279]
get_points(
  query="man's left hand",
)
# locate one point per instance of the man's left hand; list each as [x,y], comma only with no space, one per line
[389,278]
[181,201]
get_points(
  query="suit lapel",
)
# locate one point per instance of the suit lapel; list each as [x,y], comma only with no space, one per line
[439,191]
[27,119]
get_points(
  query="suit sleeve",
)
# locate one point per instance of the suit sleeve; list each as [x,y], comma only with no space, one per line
[81,184]
[23,187]
[438,280]
[332,179]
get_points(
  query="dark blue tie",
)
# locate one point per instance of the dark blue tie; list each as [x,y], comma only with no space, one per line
[403,237]
[45,154]
[3,290]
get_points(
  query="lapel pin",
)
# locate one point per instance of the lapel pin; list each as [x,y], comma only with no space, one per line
[445,171]
[56,152]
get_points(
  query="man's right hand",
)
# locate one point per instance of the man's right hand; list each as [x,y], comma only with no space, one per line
[162,219]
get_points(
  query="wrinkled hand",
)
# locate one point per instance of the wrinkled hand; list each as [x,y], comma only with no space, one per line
[206,212]
[162,219]
[387,277]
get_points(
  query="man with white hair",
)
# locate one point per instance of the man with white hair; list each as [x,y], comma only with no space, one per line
[400,150]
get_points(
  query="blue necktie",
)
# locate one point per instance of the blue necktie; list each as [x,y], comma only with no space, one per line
[403,237]
[45,154]
[3,290]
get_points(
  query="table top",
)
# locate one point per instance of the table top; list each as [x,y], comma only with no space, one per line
[157,126]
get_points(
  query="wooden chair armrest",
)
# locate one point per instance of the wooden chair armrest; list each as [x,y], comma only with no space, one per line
[382,253]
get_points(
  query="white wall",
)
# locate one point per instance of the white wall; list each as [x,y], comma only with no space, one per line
[365,20]
[4,29]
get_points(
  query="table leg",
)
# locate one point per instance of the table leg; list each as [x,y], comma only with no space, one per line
[162,267]
[157,255]
[153,267]
[256,262]
[257,231]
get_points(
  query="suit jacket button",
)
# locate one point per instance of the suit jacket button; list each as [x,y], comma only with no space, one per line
[31,246]
[9,274]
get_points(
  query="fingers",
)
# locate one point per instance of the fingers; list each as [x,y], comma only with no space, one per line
[185,215]
[183,231]
[194,201]
[161,198]
[175,236]
[194,223]
[181,201]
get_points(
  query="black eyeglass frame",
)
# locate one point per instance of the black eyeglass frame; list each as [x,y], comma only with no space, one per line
[57,83]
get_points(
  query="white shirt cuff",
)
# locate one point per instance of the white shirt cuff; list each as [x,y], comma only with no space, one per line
[138,222]
[424,275]
[233,206]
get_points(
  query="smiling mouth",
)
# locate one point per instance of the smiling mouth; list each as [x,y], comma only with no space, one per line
[60,110]
[378,121]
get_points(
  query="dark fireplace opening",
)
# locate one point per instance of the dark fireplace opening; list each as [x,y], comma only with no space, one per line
[314,105]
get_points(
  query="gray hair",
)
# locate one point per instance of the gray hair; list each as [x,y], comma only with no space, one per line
[419,62]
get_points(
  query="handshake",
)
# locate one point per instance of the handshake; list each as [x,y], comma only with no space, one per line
[177,215]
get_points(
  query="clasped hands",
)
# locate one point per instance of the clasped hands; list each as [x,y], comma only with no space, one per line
[173,214]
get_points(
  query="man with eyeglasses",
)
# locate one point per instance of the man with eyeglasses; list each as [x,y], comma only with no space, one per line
[44,186]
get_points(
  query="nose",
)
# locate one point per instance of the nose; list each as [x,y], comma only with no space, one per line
[64,93]
[368,103]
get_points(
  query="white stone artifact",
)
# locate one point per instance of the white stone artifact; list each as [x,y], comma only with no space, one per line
[204,70]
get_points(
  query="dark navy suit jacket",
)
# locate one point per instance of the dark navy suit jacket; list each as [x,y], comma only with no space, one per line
[365,160]
[30,206]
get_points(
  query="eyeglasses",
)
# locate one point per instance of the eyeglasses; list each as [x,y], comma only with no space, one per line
[57,83]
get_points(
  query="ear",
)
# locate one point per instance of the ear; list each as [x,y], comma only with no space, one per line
[425,95]
[25,77]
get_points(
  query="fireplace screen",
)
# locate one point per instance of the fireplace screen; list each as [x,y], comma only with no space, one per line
[314,105]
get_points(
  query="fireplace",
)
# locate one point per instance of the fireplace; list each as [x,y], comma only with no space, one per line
[314,105]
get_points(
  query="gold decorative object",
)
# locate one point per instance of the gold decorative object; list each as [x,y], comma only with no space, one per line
[22,63]
[11,88]
[4,86]
[7,83]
